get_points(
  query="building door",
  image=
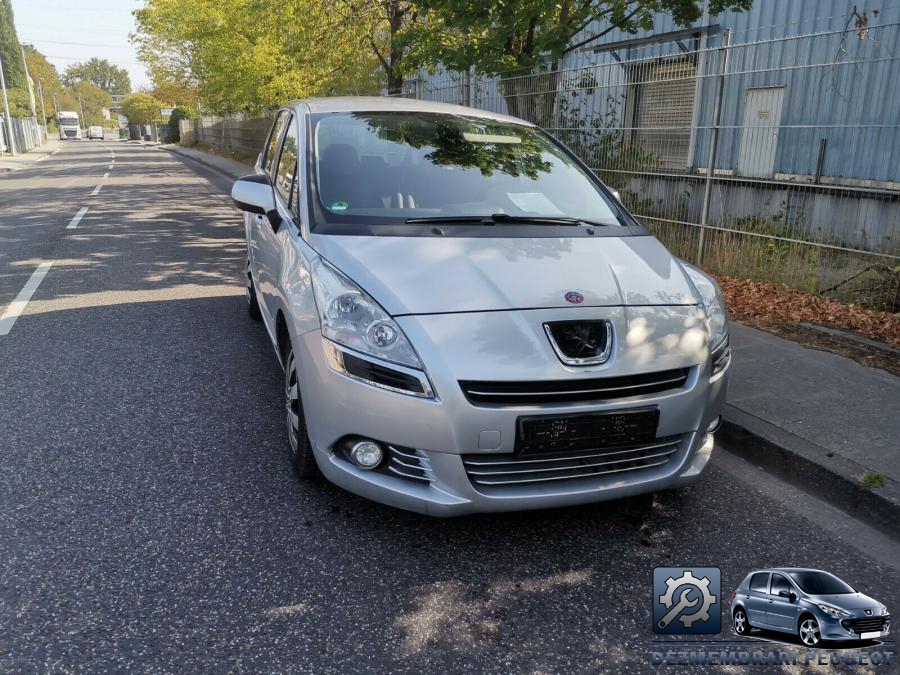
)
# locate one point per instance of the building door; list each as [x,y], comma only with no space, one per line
[759,136]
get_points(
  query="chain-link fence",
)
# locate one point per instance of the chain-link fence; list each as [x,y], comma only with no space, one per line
[238,134]
[802,135]
[26,134]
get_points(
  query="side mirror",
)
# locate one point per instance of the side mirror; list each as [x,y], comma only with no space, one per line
[254,194]
[787,594]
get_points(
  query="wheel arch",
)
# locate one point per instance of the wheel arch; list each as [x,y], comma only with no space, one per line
[282,337]
[806,613]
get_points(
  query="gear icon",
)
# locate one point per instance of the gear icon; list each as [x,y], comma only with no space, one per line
[701,584]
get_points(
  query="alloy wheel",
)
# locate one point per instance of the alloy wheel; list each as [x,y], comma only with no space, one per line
[292,404]
[809,632]
[248,285]
[740,622]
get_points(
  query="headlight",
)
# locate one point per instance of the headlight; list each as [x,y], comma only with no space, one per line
[833,611]
[351,318]
[713,303]
[884,610]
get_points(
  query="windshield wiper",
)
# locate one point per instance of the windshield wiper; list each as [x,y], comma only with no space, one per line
[507,218]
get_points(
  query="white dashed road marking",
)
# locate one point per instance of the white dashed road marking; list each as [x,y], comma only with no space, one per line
[17,306]
[106,175]
[97,189]
[78,216]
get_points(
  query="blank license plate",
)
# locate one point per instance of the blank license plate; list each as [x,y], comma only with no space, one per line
[869,636]
[581,431]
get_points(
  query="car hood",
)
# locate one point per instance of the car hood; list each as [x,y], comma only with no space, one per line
[435,275]
[848,601]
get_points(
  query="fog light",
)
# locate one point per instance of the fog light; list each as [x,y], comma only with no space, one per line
[366,454]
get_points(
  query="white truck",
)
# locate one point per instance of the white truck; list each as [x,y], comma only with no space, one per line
[69,125]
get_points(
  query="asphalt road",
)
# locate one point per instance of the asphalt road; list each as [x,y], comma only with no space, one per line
[149,520]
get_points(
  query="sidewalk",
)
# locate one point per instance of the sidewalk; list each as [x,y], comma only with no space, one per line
[816,419]
[224,165]
[26,159]
[819,420]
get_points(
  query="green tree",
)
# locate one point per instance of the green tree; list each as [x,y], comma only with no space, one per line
[101,73]
[43,72]
[251,55]
[90,98]
[13,68]
[385,22]
[500,38]
[142,108]
[10,48]
[178,114]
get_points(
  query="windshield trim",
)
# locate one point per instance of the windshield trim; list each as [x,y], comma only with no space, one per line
[337,224]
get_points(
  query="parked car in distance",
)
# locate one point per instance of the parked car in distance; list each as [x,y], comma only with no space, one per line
[812,604]
[95,132]
[467,318]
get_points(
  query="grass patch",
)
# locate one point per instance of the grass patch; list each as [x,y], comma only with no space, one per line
[872,479]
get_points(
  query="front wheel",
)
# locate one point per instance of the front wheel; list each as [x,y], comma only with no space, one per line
[741,625]
[809,632]
[302,456]
[250,289]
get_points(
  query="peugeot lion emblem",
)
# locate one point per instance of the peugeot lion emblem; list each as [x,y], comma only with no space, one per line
[574,297]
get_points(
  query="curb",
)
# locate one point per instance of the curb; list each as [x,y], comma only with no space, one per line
[175,150]
[808,466]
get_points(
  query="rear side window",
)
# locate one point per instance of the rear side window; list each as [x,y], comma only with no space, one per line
[759,582]
[271,149]
[779,583]
[286,177]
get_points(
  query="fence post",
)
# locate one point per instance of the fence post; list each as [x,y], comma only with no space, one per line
[713,146]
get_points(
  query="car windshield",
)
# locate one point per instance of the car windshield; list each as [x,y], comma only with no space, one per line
[820,583]
[68,121]
[390,167]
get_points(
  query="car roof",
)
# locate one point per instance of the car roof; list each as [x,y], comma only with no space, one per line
[339,104]
[785,569]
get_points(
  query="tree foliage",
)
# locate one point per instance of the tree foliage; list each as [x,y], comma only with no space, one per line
[87,97]
[101,73]
[142,108]
[178,114]
[250,55]
[498,37]
[13,67]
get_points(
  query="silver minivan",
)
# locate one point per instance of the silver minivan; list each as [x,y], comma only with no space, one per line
[467,318]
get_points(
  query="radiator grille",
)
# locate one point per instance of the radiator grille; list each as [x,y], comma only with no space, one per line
[508,469]
[573,391]
[867,625]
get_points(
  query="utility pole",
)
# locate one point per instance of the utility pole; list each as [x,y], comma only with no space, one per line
[28,80]
[43,110]
[56,107]
[81,105]
[12,141]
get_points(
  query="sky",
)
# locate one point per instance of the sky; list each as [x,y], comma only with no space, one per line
[69,31]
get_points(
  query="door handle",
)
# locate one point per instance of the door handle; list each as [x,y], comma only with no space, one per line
[771,601]
[747,596]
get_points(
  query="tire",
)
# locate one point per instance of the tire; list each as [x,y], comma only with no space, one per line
[302,456]
[252,302]
[808,631]
[741,622]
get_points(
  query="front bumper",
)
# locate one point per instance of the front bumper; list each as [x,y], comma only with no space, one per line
[443,430]
[835,630]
